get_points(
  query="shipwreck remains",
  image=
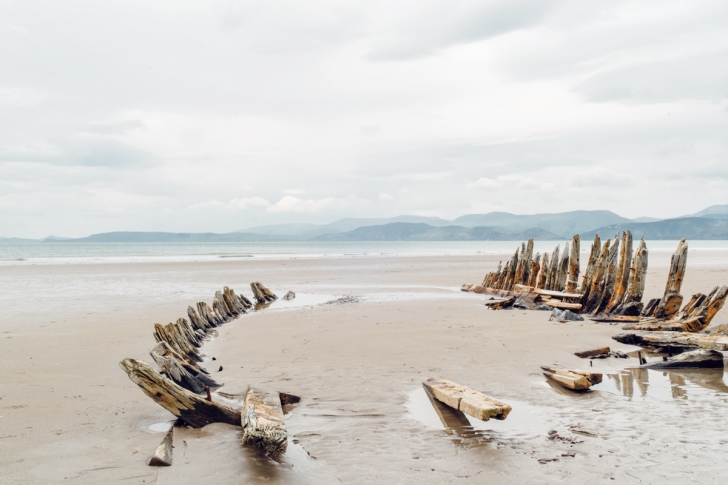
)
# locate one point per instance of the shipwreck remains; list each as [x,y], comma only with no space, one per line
[576,380]
[461,398]
[263,422]
[183,386]
[611,289]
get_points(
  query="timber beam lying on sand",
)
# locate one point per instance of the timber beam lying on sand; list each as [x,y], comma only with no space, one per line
[263,422]
[576,380]
[191,408]
[674,339]
[473,403]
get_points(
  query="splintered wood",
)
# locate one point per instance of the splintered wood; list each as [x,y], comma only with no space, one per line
[163,454]
[577,380]
[263,422]
[473,403]
[191,408]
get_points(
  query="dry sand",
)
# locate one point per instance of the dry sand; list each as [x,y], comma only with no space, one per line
[68,414]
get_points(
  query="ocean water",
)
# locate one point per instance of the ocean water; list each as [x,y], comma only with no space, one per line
[64,253]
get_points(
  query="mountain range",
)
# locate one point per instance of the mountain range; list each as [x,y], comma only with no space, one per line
[710,223]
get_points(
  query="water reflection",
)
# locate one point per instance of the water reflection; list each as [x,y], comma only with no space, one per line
[665,385]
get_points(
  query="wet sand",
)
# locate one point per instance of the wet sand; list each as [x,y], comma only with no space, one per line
[69,414]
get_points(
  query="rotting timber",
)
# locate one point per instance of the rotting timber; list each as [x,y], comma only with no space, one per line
[182,386]
[611,289]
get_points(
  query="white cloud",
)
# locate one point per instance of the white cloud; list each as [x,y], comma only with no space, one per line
[386,197]
[249,203]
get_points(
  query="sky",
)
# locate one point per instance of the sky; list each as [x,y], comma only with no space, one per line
[215,116]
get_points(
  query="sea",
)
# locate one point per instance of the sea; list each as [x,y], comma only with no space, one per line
[90,253]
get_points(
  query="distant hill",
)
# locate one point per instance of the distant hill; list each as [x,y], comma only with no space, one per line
[565,224]
[350,224]
[689,227]
[293,229]
[18,240]
[713,210]
[405,231]
[163,237]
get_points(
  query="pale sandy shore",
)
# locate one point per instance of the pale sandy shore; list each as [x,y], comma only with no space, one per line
[68,414]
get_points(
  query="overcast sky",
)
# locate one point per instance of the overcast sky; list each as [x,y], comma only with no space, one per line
[215,116]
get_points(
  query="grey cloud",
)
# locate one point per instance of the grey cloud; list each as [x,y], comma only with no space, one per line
[439,25]
[116,128]
[703,77]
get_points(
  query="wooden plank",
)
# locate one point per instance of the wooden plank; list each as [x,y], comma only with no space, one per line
[562,304]
[592,353]
[465,399]
[539,291]
[191,408]
[263,422]
[674,339]
[616,318]
[500,305]
[577,380]
[163,454]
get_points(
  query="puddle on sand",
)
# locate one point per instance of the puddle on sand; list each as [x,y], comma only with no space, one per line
[665,385]
[160,427]
[524,422]
[301,300]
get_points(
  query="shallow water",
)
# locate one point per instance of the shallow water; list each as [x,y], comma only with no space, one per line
[64,253]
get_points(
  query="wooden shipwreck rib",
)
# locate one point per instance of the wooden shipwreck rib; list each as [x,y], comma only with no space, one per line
[611,289]
[182,382]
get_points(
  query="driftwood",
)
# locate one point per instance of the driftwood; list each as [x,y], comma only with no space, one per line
[473,403]
[593,353]
[572,279]
[705,359]
[288,296]
[163,454]
[263,422]
[500,305]
[674,339]
[669,305]
[577,380]
[617,318]
[191,408]
[208,314]
[261,293]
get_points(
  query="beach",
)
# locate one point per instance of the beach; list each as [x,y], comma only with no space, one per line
[69,414]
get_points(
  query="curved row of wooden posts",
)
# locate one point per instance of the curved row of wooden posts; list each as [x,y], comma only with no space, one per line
[611,289]
[182,384]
